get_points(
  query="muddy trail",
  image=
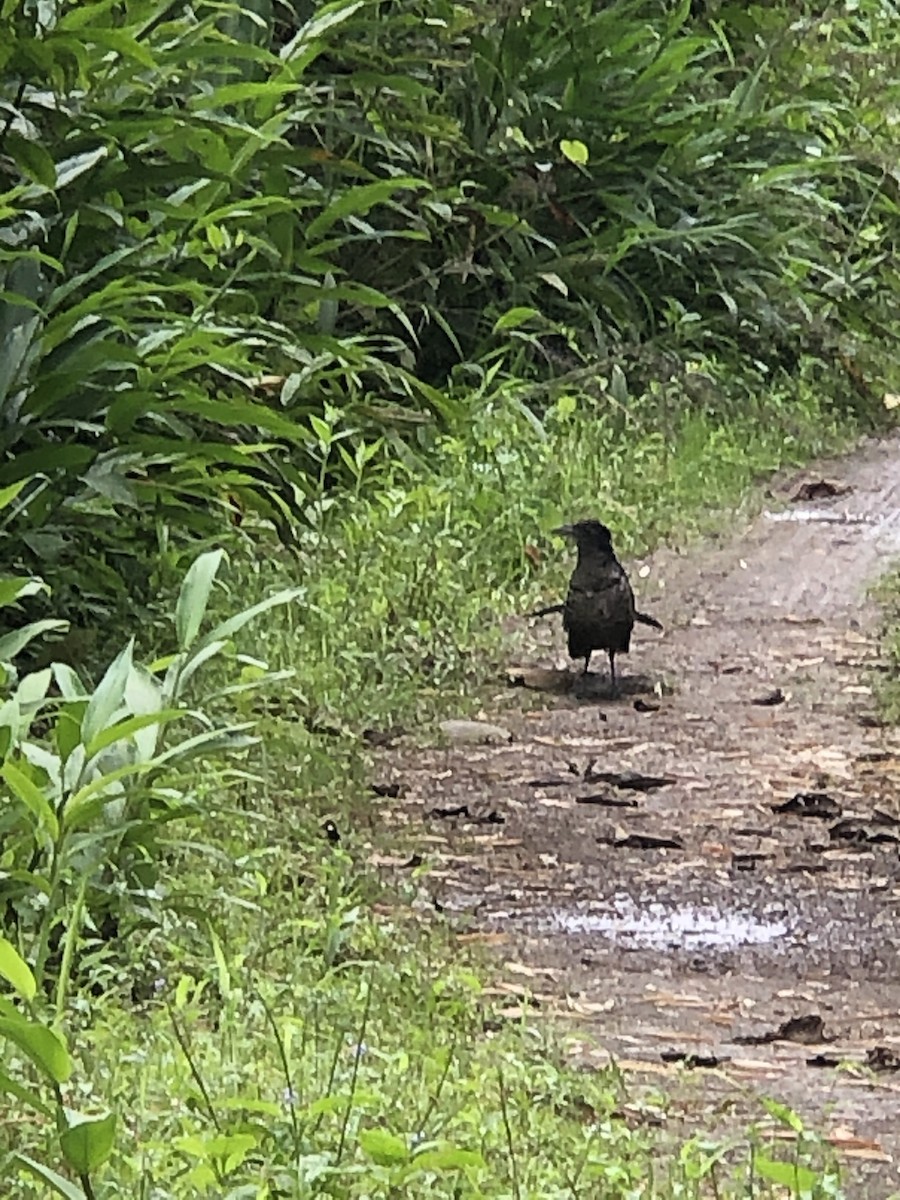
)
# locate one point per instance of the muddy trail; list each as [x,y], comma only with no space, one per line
[703,875]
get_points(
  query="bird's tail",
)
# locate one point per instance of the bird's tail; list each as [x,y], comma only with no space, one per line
[643,619]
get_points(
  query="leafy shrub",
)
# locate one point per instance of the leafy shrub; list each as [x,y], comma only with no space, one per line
[222,227]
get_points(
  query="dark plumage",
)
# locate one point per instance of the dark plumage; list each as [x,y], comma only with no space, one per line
[599,611]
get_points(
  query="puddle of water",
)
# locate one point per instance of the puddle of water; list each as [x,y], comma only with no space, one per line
[806,514]
[658,926]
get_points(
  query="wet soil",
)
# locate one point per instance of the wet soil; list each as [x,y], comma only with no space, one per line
[706,869]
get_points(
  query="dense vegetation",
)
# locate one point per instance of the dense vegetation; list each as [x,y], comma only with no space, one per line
[371,295]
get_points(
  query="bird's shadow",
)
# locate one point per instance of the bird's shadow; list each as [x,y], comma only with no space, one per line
[596,686]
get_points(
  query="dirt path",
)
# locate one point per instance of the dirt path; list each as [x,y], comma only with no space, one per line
[749,918]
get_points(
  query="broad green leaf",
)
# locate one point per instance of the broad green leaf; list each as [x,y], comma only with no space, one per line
[70,686]
[32,159]
[514,318]
[357,201]
[193,664]
[231,739]
[122,43]
[445,1158]
[12,644]
[223,632]
[230,1148]
[795,1178]
[42,1045]
[24,787]
[128,727]
[194,596]
[234,412]
[555,281]
[12,589]
[71,168]
[236,93]
[88,1142]
[382,1147]
[8,494]
[15,970]
[783,1113]
[303,45]
[33,688]
[78,807]
[575,151]
[60,1186]
[67,729]
[108,695]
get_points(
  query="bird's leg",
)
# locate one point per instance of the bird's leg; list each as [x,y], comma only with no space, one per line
[612,671]
[587,662]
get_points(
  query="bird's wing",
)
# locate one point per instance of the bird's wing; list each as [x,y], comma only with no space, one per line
[608,600]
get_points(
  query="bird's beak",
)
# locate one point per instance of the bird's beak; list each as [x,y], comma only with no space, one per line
[564,531]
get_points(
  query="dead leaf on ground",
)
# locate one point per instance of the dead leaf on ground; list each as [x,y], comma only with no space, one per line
[810,804]
[454,810]
[882,1058]
[808,1030]
[632,780]
[820,489]
[605,801]
[823,1060]
[770,699]
[854,1146]
[645,841]
[748,861]
[383,737]
[389,791]
[692,1061]
[860,832]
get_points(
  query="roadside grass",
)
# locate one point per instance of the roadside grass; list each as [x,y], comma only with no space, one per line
[277,1023]
[407,586]
[886,682]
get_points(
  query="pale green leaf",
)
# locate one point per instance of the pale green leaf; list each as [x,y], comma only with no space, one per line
[194,596]
[60,1186]
[15,970]
[88,1142]
[108,695]
[14,643]
[42,1045]
[514,318]
[575,151]
[357,201]
[24,787]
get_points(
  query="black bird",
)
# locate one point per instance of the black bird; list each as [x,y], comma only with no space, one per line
[599,611]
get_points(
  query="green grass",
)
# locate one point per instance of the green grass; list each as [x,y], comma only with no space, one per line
[886,682]
[268,1022]
[406,589]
